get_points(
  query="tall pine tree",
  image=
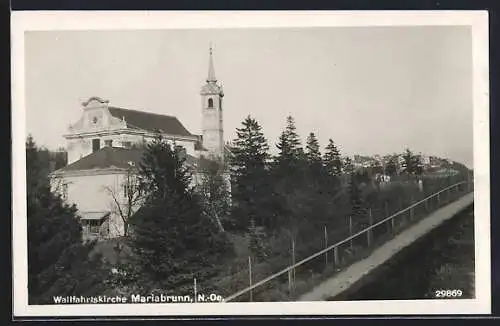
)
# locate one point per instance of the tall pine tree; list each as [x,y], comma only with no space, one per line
[59,263]
[291,183]
[290,152]
[249,174]
[332,159]
[172,238]
[313,155]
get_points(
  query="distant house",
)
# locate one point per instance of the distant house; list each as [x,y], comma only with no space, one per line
[426,160]
[446,172]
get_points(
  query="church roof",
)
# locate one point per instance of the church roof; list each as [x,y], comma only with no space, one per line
[211,69]
[106,157]
[212,88]
[112,157]
[150,121]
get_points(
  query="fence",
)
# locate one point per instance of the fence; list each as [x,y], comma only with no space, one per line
[340,254]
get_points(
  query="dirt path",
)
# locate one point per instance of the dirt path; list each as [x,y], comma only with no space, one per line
[357,271]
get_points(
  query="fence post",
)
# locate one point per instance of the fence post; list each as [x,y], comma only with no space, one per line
[336,256]
[250,277]
[350,232]
[293,263]
[326,246]
[369,233]
[393,226]
[195,290]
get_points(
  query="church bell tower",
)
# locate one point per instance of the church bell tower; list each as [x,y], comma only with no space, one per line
[211,96]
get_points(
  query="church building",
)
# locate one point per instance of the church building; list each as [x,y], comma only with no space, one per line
[104,147]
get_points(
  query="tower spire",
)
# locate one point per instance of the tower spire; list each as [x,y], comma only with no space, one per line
[211,70]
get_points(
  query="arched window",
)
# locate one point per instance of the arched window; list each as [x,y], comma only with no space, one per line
[210,103]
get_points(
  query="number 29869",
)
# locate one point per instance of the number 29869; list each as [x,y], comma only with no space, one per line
[448,293]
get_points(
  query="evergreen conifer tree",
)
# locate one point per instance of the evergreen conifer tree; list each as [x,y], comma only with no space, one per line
[314,159]
[172,238]
[59,263]
[250,190]
[312,149]
[332,159]
[348,167]
[290,153]
[408,162]
[292,187]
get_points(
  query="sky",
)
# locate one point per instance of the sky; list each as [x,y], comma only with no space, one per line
[372,90]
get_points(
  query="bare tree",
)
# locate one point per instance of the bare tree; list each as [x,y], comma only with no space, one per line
[59,186]
[214,192]
[127,198]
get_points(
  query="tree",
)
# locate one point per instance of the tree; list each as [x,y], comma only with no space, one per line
[257,242]
[391,167]
[355,197]
[290,152]
[59,263]
[348,167]
[250,185]
[332,159]
[127,198]
[302,190]
[172,238]
[214,192]
[408,161]
[376,167]
[412,163]
[313,156]
[418,166]
[312,149]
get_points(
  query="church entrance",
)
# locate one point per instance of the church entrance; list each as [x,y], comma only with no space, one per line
[96,145]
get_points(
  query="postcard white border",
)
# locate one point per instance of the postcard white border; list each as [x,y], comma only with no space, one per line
[129,20]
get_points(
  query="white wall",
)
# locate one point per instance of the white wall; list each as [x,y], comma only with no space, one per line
[97,193]
[94,193]
[212,126]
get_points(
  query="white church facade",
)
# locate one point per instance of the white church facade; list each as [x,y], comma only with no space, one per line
[105,145]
